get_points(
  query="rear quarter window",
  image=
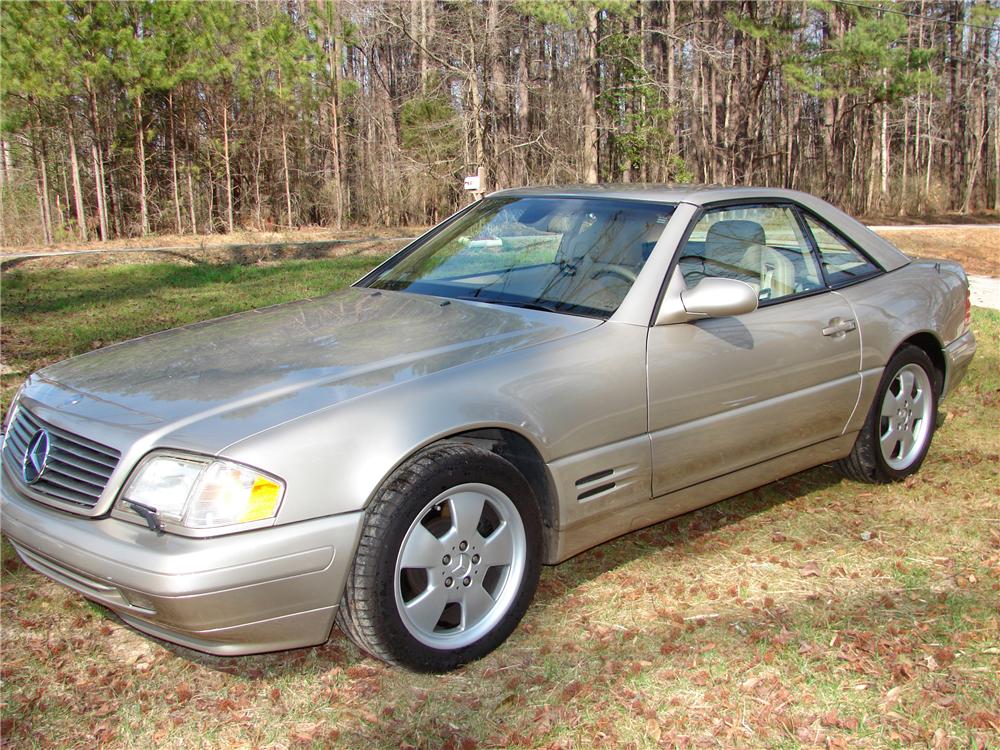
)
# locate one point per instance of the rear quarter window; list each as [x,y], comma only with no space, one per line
[842,262]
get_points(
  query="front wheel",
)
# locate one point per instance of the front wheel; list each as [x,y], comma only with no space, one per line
[897,433]
[448,560]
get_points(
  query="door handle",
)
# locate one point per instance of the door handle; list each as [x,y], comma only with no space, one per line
[839,327]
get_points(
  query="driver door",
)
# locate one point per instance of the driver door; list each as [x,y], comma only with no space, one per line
[728,393]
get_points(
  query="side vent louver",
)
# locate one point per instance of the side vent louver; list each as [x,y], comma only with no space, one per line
[595,484]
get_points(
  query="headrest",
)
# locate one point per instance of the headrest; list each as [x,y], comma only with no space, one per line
[652,233]
[734,234]
[560,223]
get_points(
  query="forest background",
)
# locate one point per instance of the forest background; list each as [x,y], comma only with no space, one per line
[121,119]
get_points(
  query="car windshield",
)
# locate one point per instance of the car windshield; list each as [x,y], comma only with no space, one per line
[572,255]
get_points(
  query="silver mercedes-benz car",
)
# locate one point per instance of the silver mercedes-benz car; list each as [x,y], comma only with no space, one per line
[547,369]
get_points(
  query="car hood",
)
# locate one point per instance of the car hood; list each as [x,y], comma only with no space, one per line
[207,385]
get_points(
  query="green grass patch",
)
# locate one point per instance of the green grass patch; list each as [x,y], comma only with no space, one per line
[813,612]
[49,315]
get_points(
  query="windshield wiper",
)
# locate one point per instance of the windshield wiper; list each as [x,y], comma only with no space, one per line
[514,303]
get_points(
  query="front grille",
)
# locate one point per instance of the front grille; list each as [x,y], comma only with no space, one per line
[77,469]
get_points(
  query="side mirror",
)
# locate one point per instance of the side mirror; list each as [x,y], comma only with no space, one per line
[718,297]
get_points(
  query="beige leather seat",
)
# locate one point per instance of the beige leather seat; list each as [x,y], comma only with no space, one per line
[592,275]
[736,249]
[777,274]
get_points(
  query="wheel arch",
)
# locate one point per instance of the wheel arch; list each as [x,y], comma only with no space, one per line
[520,451]
[931,346]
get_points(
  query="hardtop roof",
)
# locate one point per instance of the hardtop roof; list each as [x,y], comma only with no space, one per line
[666,193]
[881,250]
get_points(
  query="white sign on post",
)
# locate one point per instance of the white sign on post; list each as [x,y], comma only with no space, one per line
[472,182]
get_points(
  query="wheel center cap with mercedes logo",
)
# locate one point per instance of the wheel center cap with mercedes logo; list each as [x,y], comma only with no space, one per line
[35,457]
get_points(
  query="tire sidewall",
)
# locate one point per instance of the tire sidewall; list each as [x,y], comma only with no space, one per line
[451,469]
[909,355]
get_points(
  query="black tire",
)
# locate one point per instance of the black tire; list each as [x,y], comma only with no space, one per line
[371,612]
[869,461]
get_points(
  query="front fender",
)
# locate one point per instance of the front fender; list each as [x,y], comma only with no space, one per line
[565,397]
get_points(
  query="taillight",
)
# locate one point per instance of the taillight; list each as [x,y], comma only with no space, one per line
[968,308]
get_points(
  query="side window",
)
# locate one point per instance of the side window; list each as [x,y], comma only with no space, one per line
[841,262]
[761,245]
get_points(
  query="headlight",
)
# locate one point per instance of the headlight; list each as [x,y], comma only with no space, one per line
[201,493]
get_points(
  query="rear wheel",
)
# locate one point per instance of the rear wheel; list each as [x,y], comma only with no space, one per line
[448,560]
[897,433]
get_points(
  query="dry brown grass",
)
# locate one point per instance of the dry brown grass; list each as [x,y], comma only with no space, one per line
[242,249]
[976,248]
[239,237]
[813,612]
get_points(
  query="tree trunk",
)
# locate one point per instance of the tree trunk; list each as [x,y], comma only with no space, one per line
[905,177]
[99,193]
[333,55]
[588,97]
[671,30]
[476,119]
[140,149]
[884,158]
[996,153]
[930,151]
[422,45]
[103,188]
[210,209]
[4,162]
[498,94]
[980,141]
[190,186]
[284,158]
[99,177]
[258,158]
[521,176]
[40,189]
[173,164]
[284,166]
[229,174]
[60,220]
[81,218]
[190,178]
[115,201]
[42,177]
[344,194]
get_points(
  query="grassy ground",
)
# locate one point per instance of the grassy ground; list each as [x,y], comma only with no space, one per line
[812,612]
[51,314]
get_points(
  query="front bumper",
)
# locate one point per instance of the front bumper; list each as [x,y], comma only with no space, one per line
[261,590]
[958,354]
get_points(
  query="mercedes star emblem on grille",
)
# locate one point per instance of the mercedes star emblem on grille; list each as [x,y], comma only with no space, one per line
[35,457]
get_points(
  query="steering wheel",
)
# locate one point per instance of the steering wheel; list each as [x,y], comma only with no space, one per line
[613,269]
[692,275]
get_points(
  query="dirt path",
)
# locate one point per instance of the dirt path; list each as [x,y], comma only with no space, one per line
[918,227]
[985,291]
[243,253]
[233,247]
[975,246]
